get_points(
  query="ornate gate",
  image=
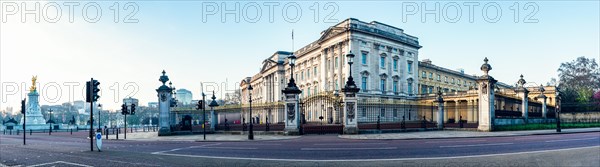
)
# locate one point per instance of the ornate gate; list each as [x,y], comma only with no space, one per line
[322,113]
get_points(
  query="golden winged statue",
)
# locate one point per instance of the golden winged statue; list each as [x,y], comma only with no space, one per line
[33,80]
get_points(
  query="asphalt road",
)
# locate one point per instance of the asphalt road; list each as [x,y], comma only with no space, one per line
[63,149]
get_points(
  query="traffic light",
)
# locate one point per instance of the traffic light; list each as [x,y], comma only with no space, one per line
[23,106]
[200,105]
[95,90]
[124,109]
[88,92]
[132,109]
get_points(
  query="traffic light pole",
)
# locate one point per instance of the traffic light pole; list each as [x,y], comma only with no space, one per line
[24,118]
[125,126]
[91,114]
[203,116]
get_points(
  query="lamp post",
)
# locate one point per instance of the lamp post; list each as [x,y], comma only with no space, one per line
[99,110]
[50,121]
[203,115]
[292,123]
[250,132]
[350,99]
[558,106]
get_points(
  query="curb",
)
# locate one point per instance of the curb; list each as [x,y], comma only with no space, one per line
[551,133]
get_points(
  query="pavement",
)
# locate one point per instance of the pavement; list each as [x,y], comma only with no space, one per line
[64,149]
[153,136]
[461,134]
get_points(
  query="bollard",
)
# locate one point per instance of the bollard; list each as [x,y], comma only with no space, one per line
[4,133]
[10,132]
[71,131]
[106,133]
[460,122]
[30,132]
[378,127]
[118,133]
[424,123]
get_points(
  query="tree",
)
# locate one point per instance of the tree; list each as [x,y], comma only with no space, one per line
[580,76]
[232,98]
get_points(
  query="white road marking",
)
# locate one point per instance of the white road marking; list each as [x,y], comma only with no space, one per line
[371,160]
[572,139]
[60,162]
[476,145]
[334,149]
[337,144]
[231,148]
[454,141]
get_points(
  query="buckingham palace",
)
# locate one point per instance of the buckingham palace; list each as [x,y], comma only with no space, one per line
[388,72]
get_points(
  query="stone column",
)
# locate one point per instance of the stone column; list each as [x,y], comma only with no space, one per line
[440,114]
[486,98]
[456,111]
[445,114]
[213,120]
[164,106]
[525,105]
[350,107]
[523,92]
[543,97]
[470,112]
[292,116]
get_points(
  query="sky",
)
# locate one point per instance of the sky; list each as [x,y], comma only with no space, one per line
[126,44]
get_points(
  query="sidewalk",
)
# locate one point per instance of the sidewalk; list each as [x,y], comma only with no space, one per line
[460,134]
[153,136]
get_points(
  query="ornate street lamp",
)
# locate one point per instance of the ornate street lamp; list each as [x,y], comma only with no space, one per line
[250,132]
[291,92]
[350,85]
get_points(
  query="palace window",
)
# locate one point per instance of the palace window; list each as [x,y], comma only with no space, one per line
[439,77]
[302,75]
[452,81]
[424,74]
[410,88]
[409,66]
[395,64]
[364,58]
[315,71]
[446,79]
[315,91]
[382,85]
[382,113]
[336,85]
[458,82]
[363,85]
[395,113]
[430,75]
[423,89]
[395,86]
[308,73]
[336,62]
[308,93]
[382,62]
[431,89]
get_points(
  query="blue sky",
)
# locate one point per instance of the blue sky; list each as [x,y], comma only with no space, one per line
[173,36]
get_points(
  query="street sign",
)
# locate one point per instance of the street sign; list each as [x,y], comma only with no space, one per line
[99,141]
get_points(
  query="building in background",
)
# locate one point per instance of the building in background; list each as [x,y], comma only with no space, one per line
[184,96]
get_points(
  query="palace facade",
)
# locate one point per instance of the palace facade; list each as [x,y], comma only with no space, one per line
[386,68]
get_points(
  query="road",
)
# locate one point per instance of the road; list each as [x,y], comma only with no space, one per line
[63,149]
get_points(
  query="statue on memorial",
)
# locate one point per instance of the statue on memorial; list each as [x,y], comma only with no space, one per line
[33,87]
